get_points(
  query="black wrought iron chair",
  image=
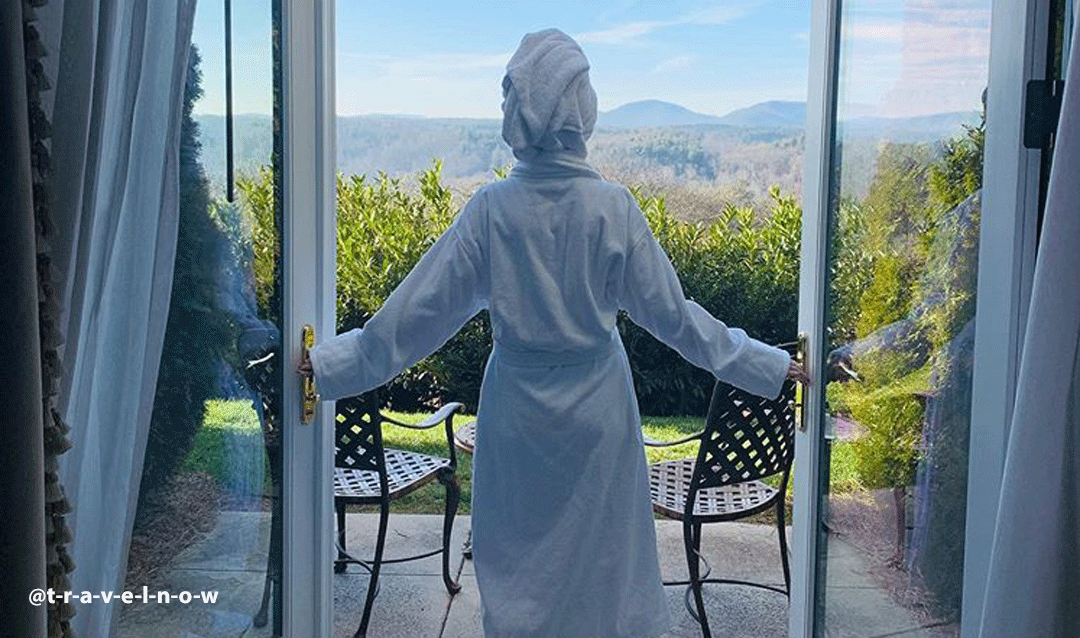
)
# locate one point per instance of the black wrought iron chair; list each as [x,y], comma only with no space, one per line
[366,473]
[746,439]
[261,349]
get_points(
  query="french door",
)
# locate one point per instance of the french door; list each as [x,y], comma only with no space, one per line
[904,251]
[235,500]
[909,242]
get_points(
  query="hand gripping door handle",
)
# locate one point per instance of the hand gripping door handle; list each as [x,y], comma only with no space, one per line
[309,399]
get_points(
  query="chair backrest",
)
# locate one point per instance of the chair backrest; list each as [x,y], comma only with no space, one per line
[262,376]
[746,437]
[358,433]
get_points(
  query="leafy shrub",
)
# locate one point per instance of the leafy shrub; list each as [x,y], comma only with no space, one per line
[916,320]
[886,454]
[851,271]
[897,214]
[742,267]
[255,238]
[383,230]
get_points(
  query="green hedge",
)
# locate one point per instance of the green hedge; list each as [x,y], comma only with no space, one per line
[742,267]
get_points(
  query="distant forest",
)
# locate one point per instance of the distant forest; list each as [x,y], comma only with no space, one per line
[695,166]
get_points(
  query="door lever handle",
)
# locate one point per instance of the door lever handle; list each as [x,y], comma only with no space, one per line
[800,391]
[309,398]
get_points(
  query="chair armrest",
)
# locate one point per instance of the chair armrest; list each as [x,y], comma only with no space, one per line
[654,443]
[441,415]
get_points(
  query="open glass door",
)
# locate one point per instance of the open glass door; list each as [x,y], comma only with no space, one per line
[896,126]
[231,511]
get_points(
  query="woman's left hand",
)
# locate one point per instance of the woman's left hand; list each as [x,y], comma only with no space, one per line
[796,372]
[304,367]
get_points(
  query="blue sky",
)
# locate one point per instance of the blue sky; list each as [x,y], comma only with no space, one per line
[446,57]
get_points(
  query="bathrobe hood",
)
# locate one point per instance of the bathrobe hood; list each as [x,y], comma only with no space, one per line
[548,102]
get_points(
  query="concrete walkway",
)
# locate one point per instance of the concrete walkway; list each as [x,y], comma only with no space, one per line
[413,602]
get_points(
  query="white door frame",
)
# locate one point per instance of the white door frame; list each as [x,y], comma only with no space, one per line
[308,255]
[813,288]
[1006,265]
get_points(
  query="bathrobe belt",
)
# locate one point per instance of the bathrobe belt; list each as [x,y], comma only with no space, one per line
[530,358]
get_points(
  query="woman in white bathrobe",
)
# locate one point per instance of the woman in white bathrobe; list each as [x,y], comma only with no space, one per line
[563,539]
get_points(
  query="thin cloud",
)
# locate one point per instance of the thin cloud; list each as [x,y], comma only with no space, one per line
[924,61]
[629,32]
[920,33]
[674,64]
[717,15]
[622,33]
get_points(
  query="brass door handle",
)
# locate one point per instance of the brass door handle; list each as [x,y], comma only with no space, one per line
[800,391]
[309,398]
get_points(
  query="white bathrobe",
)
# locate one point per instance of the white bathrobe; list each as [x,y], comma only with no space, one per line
[563,539]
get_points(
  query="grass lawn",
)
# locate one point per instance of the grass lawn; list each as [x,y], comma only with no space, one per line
[233,424]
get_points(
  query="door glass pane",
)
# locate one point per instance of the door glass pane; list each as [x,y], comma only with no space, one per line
[208,518]
[904,222]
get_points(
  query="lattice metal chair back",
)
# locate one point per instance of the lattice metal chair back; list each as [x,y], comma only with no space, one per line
[746,439]
[358,434]
[367,473]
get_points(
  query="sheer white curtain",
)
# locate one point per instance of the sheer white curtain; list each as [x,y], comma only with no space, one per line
[1033,587]
[115,154]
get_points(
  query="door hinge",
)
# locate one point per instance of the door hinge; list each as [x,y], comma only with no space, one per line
[1042,107]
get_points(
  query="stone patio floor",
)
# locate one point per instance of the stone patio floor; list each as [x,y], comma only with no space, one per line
[413,602]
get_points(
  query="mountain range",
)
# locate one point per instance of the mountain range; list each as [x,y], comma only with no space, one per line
[737,156]
[657,113]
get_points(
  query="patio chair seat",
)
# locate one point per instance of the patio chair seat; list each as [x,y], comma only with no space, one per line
[746,438]
[670,480]
[405,472]
[362,465]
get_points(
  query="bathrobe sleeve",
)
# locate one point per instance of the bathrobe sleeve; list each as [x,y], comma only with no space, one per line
[443,291]
[654,300]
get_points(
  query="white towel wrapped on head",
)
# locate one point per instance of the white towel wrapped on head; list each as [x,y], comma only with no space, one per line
[548,102]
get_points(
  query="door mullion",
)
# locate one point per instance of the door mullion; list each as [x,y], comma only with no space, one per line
[813,282]
[307,252]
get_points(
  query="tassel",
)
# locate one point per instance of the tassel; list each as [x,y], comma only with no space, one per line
[63,533]
[52,492]
[66,561]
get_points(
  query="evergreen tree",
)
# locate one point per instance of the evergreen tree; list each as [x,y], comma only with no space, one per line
[197,333]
